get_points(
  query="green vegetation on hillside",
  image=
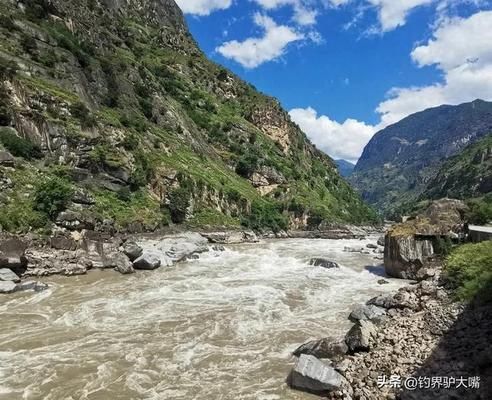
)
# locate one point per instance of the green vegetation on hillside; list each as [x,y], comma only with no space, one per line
[469,269]
[156,133]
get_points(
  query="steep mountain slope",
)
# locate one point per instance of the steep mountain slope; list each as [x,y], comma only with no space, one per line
[113,112]
[400,160]
[468,174]
[345,168]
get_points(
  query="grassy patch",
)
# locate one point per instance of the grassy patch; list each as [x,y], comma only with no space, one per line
[211,217]
[469,269]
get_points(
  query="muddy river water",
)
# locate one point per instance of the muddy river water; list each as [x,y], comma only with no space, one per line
[220,327]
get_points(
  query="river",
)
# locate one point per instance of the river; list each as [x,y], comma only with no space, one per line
[218,328]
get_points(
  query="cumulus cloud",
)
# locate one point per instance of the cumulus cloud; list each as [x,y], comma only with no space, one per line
[462,49]
[203,7]
[255,51]
[339,140]
[393,13]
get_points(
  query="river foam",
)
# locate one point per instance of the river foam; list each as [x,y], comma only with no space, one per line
[220,327]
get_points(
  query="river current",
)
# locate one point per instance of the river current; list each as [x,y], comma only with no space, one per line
[222,327]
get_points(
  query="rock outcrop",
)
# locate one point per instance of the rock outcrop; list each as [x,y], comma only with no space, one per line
[411,246]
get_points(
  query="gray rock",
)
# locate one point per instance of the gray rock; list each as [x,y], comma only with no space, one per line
[6,159]
[400,300]
[349,249]
[314,376]
[8,275]
[75,221]
[31,285]
[7,287]
[383,282]
[323,262]
[147,261]
[83,197]
[371,246]
[323,348]
[218,247]
[359,336]
[12,255]
[370,312]
[63,243]
[231,237]
[119,262]
[132,250]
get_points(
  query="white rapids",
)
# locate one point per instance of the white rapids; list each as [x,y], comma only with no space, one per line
[222,327]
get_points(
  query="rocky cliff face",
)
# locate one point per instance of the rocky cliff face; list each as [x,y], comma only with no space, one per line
[111,106]
[410,247]
[398,163]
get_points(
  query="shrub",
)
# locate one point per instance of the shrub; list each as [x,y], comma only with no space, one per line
[266,215]
[480,210]
[52,196]
[469,270]
[19,147]
[28,43]
[39,9]
[179,201]
[246,165]
[8,69]
[80,111]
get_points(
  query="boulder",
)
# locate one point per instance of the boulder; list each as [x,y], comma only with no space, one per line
[119,262]
[400,300]
[323,262]
[132,250]
[349,249]
[6,159]
[7,275]
[83,197]
[405,255]
[63,243]
[147,261]
[323,348]
[12,255]
[31,285]
[312,375]
[359,337]
[75,221]
[7,287]
[370,312]
[371,246]
[231,237]
[218,247]
[383,282]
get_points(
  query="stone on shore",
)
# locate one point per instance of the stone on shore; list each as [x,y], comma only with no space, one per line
[370,312]
[314,376]
[323,348]
[147,261]
[120,262]
[12,255]
[132,250]
[358,339]
[8,275]
[323,262]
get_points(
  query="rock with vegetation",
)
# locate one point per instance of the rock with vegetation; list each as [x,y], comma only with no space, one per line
[115,100]
[411,246]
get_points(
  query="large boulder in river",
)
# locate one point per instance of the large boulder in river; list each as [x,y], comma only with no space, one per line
[323,348]
[147,261]
[323,262]
[314,376]
[411,246]
[7,275]
[7,287]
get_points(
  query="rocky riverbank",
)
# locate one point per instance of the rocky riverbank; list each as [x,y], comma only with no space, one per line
[418,343]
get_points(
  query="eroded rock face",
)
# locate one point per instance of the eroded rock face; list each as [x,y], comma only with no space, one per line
[404,256]
[314,376]
[410,246]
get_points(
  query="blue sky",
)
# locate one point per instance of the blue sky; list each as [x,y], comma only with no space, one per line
[346,68]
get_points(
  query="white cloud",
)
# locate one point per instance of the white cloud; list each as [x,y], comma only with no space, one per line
[255,51]
[340,141]
[393,13]
[305,11]
[203,7]
[462,49]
